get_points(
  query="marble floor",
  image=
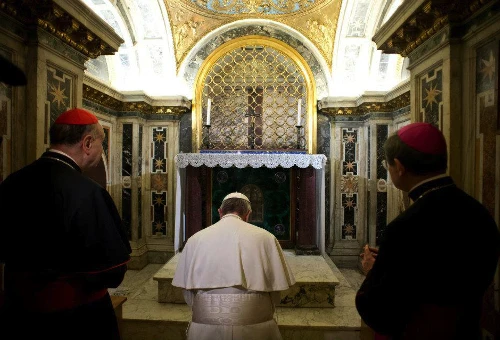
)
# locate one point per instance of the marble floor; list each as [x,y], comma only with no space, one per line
[145,318]
[140,283]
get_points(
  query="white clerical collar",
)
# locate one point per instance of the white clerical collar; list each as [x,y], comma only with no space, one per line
[62,153]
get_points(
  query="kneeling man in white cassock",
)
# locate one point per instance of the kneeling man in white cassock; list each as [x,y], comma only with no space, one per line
[232,273]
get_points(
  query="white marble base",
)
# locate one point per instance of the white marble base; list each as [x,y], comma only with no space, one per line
[144,318]
[149,320]
[315,282]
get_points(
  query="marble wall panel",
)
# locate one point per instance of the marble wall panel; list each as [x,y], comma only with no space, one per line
[126,172]
[106,145]
[431,102]
[185,133]
[5,124]
[323,145]
[349,183]
[159,180]
[59,93]
[139,182]
[382,176]
[488,122]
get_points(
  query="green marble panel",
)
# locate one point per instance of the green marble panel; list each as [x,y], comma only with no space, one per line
[273,184]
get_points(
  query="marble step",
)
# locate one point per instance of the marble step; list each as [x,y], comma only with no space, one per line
[314,288]
[151,320]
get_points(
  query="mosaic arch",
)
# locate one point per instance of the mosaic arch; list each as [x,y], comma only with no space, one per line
[258,81]
[194,62]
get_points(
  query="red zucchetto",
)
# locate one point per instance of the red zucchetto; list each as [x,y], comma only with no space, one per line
[423,137]
[76,116]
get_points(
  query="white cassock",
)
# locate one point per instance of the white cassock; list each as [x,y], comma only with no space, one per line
[231,274]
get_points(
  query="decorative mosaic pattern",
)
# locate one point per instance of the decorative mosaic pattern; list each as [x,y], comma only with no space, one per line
[139,213]
[431,103]
[323,136]
[316,20]
[349,146]
[159,202]
[106,147]
[139,181]
[486,67]
[127,178]
[159,179]
[59,92]
[159,144]
[382,134]
[349,182]
[381,217]
[269,7]
[381,213]
[368,153]
[197,59]
[139,152]
[349,212]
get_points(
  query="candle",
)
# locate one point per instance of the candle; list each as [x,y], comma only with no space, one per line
[209,105]
[299,109]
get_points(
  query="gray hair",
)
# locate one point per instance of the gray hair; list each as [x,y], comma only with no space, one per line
[237,206]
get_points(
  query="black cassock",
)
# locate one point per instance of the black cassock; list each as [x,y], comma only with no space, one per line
[63,245]
[435,261]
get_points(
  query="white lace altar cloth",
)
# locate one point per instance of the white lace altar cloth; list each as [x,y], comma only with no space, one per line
[254,160]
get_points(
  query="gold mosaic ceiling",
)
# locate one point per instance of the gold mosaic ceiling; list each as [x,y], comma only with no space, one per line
[191,20]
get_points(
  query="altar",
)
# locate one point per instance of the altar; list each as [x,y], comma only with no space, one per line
[286,190]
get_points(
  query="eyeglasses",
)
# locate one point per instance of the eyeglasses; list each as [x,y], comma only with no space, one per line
[385,165]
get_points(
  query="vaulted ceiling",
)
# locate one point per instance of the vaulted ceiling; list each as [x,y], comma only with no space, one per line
[163,39]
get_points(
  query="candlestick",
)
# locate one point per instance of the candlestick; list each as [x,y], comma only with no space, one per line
[299,109]
[206,140]
[209,105]
[299,137]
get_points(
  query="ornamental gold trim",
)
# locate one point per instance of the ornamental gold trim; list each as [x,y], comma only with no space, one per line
[55,20]
[425,21]
[242,42]
[191,22]
[98,97]
[397,103]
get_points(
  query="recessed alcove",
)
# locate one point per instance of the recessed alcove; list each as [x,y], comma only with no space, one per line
[287,191]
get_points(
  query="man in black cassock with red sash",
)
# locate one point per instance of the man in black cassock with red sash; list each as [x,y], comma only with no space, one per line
[62,240]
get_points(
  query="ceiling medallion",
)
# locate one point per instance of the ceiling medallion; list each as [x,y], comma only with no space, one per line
[267,7]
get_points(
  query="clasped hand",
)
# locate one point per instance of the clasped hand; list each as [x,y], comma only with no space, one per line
[368,257]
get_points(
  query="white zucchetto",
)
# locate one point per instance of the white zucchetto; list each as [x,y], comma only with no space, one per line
[236,195]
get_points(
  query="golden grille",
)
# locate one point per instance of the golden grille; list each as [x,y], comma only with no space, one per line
[255,93]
